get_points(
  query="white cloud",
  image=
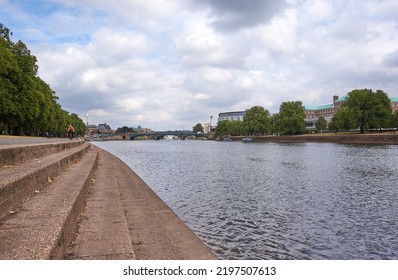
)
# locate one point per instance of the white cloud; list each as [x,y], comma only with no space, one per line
[172,64]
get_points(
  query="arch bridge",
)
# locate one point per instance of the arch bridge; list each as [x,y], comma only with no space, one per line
[161,134]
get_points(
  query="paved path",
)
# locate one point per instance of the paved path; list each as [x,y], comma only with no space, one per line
[19,140]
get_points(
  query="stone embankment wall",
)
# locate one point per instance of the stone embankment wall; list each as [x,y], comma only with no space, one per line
[377,138]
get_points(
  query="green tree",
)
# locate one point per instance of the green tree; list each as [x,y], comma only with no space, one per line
[321,124]
[369,109]
[27,104]
[256,120]
[8,66]
[236,128]
[125,129]
[382,110]
[291,116]
[78,124]
[276,124]
[343,120]
[227,127]
[394,119]
[198,128]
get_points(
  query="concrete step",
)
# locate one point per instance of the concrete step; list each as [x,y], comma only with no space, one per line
[43,226]
[16,154]
[102,233]
[125,219]
[84,203]
[22,180]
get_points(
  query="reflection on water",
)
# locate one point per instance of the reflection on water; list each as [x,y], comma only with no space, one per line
[276,201]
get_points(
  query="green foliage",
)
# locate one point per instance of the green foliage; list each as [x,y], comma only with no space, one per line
[321,124]
[227,127]
[343,120]
[256,120]
[291,117]
[125,129]
[394,119]
[369,109]
[276,124]
[198,128]
[27,104]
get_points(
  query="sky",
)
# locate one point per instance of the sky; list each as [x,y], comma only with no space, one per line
[170,64]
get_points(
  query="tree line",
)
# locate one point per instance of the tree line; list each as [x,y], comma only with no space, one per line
[259,121]
[363,109]
[28,105]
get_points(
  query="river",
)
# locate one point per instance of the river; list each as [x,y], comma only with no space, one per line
[276,201]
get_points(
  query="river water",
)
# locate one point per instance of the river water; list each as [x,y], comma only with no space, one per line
[276,201]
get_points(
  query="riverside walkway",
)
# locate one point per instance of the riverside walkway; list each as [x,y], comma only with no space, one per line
[62,199]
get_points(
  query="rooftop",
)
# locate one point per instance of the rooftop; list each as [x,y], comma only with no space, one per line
[314,108]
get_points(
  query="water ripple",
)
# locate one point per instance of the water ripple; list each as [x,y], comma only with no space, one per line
[276,201]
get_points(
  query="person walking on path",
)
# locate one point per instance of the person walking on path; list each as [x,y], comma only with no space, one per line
[71,132]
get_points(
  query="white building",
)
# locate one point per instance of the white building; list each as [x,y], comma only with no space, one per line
[231,116]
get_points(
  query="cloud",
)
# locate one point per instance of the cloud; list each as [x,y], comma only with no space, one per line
[173,64]
[391,59]
[233,15]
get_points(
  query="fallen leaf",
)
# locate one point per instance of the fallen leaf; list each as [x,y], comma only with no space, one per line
[11,212]
[49,180]
[37,191]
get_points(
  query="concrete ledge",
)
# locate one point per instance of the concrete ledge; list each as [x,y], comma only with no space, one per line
[16,154]
[19,182]
[93,207]
[156,232]
[43,227]
[125,219]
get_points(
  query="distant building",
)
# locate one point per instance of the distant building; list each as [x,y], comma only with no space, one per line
[140,129]
[231,116]
[104,128]
[394,103]
[98,129]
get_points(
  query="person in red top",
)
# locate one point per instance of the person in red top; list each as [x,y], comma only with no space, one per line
[71,131]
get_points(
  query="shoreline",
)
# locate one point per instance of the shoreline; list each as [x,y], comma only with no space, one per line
[376,138]
[338,138]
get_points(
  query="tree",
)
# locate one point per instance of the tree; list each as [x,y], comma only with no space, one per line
[8,66]
[291,117]
[369,109]
[80,127]
[27,104]
[321,124]
[276,124]
[227,127]
[198,128]
[394,119]
[256,120]
[383,110]
[125,129]
[222,128]
[343,120]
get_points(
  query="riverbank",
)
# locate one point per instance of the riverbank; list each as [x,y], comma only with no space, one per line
[375,138]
